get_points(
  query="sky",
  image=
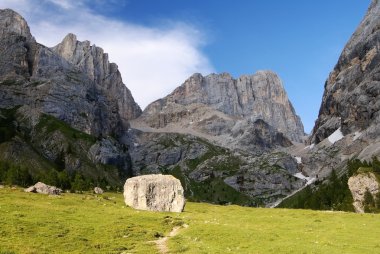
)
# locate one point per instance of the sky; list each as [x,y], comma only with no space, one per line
[158,44]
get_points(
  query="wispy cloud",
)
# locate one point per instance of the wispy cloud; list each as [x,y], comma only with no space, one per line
[152,60]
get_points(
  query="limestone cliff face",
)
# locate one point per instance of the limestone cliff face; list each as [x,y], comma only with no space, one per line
[349,118]
[73,82]
[17,46]
[13,23]
[92,61]
[259,96]
[351,97]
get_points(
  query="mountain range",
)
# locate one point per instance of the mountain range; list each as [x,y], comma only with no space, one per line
[67,118]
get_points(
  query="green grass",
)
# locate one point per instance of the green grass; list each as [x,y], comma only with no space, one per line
[85,223]
[50,124]
[10,82]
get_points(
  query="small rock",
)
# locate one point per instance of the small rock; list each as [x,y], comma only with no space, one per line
[44,189]
[1,186]
[98,190]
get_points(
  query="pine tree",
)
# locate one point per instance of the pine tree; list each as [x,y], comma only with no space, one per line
[376,165]
[369,202]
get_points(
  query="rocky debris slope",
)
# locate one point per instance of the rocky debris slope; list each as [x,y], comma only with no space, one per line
[212,173]
[359,185]
[224,108]
[44,189]
[163,193]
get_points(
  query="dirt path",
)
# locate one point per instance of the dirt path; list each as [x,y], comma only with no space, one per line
[161,243]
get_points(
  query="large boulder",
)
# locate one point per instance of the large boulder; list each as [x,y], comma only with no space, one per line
[162,193]
[358,185]
[44,189]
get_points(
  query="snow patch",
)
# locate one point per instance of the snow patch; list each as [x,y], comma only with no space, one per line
[357,135]
[298,159]
[136,144]
[301,176]
[309,180]
[336,136]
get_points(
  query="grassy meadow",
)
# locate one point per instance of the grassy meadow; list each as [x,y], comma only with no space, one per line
[88,223]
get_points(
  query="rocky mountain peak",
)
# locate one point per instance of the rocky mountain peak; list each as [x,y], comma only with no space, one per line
[13,23]
[67,46]
[250,97]
[92,61]
[17,45]
[89,58]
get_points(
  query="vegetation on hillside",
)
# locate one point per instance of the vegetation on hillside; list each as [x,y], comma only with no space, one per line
[214,165]
[334,194]
[24,161]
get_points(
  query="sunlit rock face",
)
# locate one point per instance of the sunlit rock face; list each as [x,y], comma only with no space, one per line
[161,193]
[73,81]
[351,97]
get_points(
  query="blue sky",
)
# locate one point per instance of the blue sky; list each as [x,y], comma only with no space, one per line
[301,40]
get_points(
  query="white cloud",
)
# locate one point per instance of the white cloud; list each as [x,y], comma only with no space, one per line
[152,60]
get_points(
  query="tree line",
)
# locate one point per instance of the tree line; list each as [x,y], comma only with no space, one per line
[12,174]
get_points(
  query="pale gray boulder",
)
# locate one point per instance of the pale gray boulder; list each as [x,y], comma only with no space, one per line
[358,185]
[44,189]
[162,193]
[98,190]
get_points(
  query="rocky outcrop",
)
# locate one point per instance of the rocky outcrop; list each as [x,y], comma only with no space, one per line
[359,185]
[248,98]
[351,100]
[163,193]
[44,189]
